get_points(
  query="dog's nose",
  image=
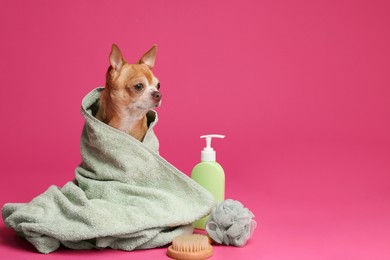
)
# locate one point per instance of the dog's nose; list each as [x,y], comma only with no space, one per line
[156,95]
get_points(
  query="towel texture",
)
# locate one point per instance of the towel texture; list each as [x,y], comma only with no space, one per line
[125,196]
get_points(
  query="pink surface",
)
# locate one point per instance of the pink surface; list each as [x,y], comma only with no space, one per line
[301,89]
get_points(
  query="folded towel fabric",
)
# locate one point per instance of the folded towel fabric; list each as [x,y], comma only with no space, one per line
[125,195]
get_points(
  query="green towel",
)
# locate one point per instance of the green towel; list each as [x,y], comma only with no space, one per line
[125,195]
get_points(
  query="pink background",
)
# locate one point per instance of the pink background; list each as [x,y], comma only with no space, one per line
[301,90]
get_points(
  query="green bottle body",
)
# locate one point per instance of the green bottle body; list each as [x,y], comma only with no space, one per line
[211,176]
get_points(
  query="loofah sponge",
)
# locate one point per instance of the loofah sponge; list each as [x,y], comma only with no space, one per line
[230,223]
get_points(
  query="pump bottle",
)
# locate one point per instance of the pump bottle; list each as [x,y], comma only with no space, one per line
[209,174]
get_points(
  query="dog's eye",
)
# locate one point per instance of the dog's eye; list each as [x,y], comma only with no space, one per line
[158,85]
[139,86]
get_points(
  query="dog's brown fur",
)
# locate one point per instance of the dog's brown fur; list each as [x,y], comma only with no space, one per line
[131,91]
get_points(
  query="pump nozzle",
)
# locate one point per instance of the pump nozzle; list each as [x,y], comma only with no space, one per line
[208,153]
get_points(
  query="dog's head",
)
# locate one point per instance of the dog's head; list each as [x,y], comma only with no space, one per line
[133,85]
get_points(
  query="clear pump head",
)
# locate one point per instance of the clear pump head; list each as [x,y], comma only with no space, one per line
[208,154]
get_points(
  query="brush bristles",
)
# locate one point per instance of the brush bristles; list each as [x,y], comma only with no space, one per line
[190,243]
[193,246]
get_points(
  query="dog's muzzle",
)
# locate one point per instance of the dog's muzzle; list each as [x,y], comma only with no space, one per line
[156,96]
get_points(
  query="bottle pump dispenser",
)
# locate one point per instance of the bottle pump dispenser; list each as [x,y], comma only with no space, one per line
[210,175]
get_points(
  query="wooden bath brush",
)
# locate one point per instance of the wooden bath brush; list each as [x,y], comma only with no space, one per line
[190,247]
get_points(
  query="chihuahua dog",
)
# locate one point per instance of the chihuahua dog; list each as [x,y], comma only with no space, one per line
[131,90]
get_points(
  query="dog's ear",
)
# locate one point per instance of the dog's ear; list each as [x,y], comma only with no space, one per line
[149,57]
[116,59]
